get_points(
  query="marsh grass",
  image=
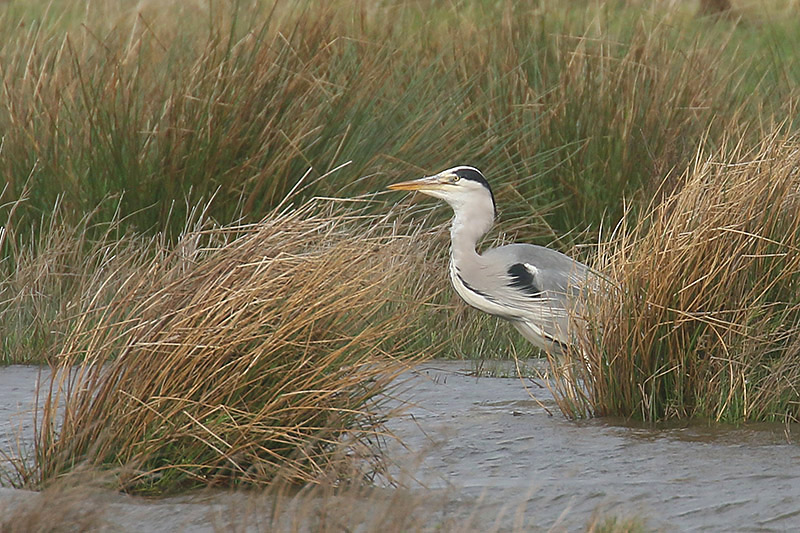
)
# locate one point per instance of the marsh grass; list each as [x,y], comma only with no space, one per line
[244,354]
[327,508]
[701,313]
[48,277]
[75,503]
[567,110]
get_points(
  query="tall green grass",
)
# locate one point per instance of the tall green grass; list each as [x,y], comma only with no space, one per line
[234,353]
[50,276]
[567,110]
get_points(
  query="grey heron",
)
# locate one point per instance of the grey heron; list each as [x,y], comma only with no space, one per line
[535,288]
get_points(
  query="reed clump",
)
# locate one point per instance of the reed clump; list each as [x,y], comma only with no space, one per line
[700,315]
[247,353]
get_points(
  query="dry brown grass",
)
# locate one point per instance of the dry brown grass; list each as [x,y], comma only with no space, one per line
[78,505]
[73,504]
[701,316]
[245,354]
[327,509]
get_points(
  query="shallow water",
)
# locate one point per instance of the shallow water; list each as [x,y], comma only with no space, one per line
[691,477]
[485,448]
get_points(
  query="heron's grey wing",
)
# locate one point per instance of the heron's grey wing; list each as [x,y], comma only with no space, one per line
[538,285]
[535,271]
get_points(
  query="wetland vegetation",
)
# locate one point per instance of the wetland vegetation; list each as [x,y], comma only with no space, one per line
[160,232]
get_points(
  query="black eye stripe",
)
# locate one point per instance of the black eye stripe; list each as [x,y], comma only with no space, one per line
[473,174]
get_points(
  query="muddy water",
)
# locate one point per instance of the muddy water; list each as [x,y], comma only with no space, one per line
[496,460]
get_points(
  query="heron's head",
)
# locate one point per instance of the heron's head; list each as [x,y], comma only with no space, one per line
[464,188]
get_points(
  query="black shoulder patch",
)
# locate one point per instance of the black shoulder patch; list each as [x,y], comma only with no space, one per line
[522,280]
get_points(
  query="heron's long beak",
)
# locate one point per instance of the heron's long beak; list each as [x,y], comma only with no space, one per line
[428,183]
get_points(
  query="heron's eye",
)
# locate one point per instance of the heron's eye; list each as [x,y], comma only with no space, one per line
[455,178]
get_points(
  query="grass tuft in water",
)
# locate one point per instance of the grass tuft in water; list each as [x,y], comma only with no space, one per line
[701,313]
[244,354]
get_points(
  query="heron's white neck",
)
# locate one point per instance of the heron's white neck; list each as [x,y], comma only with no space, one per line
[466,229]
